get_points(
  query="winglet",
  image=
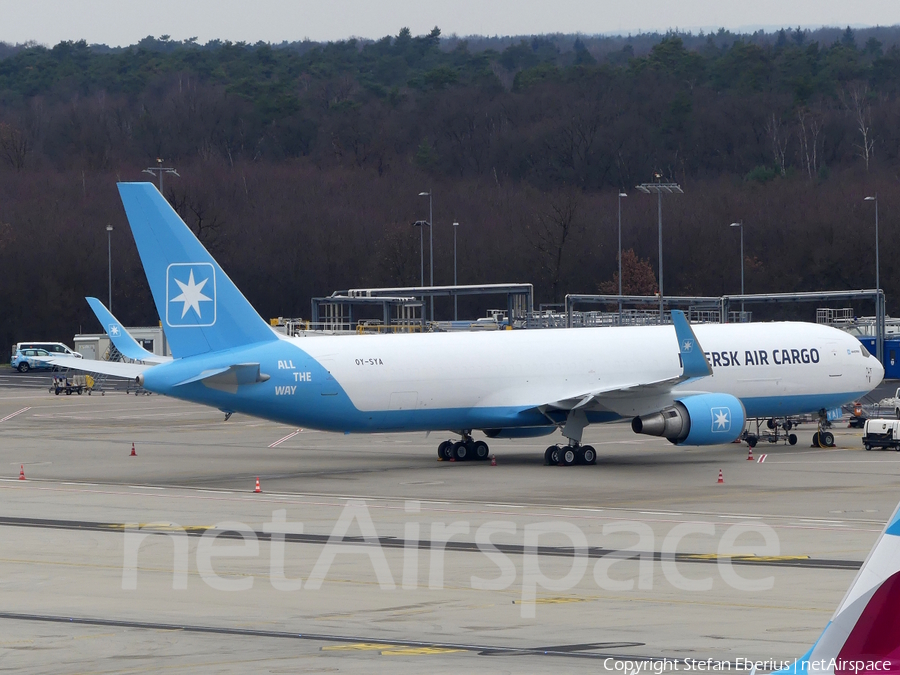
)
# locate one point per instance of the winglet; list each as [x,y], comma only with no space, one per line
[693,360]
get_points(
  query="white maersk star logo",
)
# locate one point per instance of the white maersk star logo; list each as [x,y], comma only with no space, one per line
[687,345]
[195,304]
[721,419]
[113,330]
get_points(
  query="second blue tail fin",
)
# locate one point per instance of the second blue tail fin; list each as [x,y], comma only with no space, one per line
[200,307]
[120,337]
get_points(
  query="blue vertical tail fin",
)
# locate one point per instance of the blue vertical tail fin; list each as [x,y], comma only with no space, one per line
[200,307]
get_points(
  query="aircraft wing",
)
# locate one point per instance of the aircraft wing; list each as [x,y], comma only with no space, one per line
[120,337]
[694,367]
[126,370]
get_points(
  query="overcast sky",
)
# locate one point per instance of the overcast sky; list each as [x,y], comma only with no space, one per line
[123,22]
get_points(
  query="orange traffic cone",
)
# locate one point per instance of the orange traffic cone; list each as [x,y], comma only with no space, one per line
[133,453]
[21,472]
[721,477]
[493,460]
[750,455]
[258,489]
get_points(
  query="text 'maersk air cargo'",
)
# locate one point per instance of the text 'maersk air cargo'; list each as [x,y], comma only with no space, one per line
[508,384]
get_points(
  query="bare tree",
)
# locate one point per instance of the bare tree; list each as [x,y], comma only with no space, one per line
[14,146]
[779,136]
[810,129]
[855,100]
[554,228]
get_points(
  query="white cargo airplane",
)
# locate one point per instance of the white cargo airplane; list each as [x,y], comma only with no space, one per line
[507,384]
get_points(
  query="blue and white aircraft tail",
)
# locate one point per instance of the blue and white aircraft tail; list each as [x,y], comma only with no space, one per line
[863,635]
[508,384]
[121,338]
[200,307]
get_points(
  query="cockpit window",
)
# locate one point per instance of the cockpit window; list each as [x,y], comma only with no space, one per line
[865,352]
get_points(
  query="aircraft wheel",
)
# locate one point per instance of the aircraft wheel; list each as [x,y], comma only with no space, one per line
[792,439]
[815,439]
[589,454]
[481,450]
[567,456]
[444,450]
[752,441]
[461,451]
[828,439]
[550,456]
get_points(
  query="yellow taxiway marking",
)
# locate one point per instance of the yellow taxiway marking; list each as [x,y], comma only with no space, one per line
[553,601]
[743,558]
[164,527]
[390,650]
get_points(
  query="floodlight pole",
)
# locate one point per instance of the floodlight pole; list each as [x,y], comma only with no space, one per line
[621,194]
[109,229]
[740,224]
[430,246]
[455,295]
[421,225]
[160,170]
[660,187]
[879,311]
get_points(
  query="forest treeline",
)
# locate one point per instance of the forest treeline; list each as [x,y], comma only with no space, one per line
[301,164]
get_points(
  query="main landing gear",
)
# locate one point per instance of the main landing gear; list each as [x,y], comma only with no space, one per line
[569,455]
[463,450]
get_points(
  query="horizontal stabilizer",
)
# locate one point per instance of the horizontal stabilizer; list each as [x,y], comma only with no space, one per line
[229,378]
[114,368]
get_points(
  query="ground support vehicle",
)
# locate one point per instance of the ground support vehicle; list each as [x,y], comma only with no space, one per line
[882,433]
[72,384]
[775,431]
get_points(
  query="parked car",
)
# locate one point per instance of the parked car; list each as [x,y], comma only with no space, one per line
[27,359]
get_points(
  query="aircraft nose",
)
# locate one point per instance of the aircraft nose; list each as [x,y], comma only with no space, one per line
[877,374]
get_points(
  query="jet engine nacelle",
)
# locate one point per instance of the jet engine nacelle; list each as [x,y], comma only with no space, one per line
[702,419]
